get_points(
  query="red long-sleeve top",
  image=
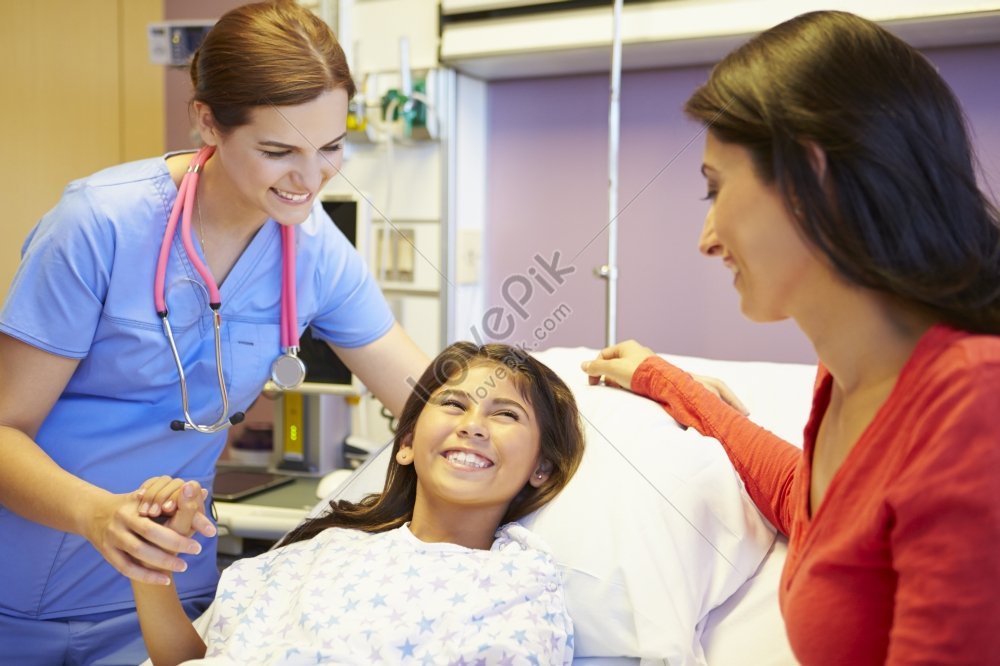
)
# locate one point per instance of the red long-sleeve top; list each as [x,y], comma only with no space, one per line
[901,562]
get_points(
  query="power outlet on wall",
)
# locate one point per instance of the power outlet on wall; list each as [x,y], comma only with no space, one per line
[468,256]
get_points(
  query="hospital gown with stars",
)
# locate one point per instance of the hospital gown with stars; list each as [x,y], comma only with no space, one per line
[351,597]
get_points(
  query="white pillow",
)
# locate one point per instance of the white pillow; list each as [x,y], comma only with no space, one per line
[654,530]
[748,628]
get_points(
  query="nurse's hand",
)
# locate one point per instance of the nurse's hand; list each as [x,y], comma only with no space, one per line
[138,546]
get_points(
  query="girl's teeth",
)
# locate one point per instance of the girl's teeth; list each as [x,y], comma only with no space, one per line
[468,459]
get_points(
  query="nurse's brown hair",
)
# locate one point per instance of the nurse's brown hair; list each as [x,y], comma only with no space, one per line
[266,53]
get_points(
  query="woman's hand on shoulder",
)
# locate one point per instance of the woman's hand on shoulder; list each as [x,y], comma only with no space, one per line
[616,365]
[137,545]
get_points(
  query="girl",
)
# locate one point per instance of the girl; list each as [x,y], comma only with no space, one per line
[419,572]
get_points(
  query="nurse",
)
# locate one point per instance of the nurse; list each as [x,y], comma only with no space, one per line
[91,401]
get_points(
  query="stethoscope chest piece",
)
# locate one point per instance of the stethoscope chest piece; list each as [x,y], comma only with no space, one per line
[288,371]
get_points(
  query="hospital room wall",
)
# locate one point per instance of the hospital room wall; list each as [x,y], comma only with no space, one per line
[547,194]
[80,95]
[178,134]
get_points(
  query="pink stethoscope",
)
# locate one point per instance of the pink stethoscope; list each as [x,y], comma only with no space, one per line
[288,370]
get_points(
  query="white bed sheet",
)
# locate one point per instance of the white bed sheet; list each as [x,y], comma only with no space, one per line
[747,628]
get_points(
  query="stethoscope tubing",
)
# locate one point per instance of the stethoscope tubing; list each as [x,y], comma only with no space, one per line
[183,206]
[182,209]
[289,305]
[188,423]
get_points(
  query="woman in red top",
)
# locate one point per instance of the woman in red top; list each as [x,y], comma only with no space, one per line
[843,195]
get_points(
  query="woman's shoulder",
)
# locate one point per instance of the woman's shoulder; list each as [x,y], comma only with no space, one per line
[977,350]
[126,173]
[948,396]
[951,355]
[121,191]
[944,420]
[107,202]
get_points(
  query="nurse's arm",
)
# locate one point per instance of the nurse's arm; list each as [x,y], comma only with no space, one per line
[386,365]
[33,486]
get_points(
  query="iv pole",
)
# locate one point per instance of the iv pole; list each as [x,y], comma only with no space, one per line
[609,271]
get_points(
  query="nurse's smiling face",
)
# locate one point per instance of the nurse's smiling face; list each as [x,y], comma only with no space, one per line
[275,165]
[751,229]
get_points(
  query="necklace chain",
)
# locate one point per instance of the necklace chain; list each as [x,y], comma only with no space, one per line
[201,226]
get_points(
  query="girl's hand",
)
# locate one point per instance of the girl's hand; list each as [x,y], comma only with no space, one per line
[139,547]
[179,504]
[159,496]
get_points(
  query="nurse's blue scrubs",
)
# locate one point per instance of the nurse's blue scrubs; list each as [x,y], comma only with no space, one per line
[84,290]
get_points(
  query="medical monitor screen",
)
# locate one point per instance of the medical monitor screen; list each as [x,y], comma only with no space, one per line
[322,365]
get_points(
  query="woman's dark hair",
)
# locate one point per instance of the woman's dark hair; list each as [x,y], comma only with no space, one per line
[266,53]
[898,208]
[561,440]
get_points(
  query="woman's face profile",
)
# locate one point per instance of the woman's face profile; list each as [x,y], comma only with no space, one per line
[751,229]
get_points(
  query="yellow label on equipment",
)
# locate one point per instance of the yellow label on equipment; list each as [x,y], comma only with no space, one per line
[292,413]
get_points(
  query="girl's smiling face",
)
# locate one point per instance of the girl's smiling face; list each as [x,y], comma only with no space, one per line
[475,445]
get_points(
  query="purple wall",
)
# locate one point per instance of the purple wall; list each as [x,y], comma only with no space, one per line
[547,193]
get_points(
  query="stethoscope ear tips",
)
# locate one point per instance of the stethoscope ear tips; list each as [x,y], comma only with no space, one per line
[179,426]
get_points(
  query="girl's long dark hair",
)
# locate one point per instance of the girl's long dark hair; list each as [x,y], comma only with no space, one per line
[560,434]
[899,209]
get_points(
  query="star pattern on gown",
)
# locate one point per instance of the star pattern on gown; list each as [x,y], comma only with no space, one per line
[351,597]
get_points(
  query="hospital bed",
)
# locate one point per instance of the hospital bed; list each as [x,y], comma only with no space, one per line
[666,560]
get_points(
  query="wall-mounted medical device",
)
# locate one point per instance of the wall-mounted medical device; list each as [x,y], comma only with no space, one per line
[174,42]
